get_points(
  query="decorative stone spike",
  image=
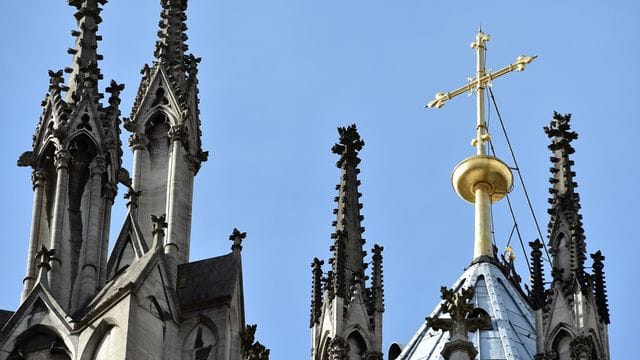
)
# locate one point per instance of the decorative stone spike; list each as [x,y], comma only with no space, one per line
[316,291]
[377,286]
[565,201]
[536,296]
[599,287]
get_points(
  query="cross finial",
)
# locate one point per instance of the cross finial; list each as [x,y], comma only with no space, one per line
[481,179]
[237,236]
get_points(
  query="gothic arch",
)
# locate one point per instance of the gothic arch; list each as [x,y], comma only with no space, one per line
[559,342]
[357,345]
[39,342]
[201,342]
[97,338]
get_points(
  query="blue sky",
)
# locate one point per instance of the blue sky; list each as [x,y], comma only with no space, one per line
[279,76]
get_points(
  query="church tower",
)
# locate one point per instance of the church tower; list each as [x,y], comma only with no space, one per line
[572,315]
[145,300]
[346,315]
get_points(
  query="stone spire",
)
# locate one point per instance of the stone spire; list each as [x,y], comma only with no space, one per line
[566,234]
[572,316]
[84,71]
[348,257]
[346,303]
[536,295]
[171,47]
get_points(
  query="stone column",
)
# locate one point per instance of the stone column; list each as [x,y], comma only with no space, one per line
[138,143]
[177,188]
[59,273]
[38,177]
[90,257]
[109,191]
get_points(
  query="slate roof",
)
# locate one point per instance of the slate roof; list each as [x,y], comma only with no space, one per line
[513,334]
[207,282]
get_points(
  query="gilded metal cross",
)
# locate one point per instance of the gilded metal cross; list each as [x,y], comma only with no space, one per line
[479,83]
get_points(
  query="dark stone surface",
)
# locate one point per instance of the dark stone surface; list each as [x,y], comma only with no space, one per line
[5,315]
[207,282]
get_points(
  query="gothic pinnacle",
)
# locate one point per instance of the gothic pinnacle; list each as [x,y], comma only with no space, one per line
[171,47]
[84,71]
[565,202]
[348,257]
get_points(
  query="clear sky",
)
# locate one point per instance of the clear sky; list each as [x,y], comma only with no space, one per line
[279,76]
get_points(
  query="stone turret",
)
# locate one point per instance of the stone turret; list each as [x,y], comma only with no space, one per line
[346,316]
[572,317]
[166,136]
[76,162]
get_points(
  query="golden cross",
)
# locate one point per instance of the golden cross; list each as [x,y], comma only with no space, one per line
[479,83]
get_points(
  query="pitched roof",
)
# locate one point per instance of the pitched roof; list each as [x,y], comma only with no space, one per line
[206,282]
[513,334]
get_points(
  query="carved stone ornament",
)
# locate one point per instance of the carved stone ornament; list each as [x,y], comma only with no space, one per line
[338,349]
[178,133]
[546,356]
[38,178]
[581,348]
[98,165]
[62,159]
[138,141]
[193,162]
[110,190]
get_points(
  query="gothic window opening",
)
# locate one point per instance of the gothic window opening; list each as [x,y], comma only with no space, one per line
[357,346]
[200,344]
[40,343]
[82,151]
[47,165]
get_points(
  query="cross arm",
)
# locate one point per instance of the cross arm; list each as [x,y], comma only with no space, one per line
[518,65]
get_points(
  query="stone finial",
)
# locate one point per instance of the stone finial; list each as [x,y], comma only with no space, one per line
[237,237]
[316,291]
[84,71]
[171,46]
[600,287]
[460,323]
[114,89]
[44,257]
[132,196]
[347,260]
[536,296]
[377,286]
[158,225]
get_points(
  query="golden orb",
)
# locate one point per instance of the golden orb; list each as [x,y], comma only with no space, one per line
[479,169]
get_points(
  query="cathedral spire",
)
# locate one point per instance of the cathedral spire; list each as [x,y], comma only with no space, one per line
[566,234]
[171,47]
[347,261]
[575,301]
[84,71]
[347,313]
